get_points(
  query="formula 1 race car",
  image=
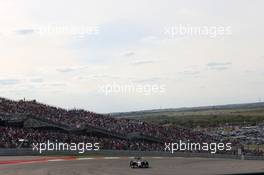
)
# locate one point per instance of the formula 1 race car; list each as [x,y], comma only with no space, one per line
[138,163]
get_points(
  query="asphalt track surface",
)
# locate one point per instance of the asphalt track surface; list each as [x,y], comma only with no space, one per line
[119,166]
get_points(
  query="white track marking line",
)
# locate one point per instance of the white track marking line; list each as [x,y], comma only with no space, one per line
[56,160]
[156,157]
[111,158]
[86,158]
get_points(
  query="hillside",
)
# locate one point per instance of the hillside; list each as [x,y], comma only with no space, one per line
[205,116]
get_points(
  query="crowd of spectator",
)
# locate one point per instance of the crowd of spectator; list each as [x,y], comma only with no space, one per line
[10,136]
[77,119]
[81,119]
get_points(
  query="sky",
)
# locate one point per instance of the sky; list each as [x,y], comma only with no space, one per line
[114,55]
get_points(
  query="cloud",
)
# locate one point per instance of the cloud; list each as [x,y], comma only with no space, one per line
[150,39]
[25,31]
[100,77]
[70,69]
[128,53]
[66,69]
[9,81]
[142,62]
[219,66]
[190,72]
[215,64]
[55,84]
[36,80]
[148,80]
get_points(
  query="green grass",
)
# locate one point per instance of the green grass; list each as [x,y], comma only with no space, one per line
[204,118]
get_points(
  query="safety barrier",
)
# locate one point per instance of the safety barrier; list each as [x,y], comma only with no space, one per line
[122,153]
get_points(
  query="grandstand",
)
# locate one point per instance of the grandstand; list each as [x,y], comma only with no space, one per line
[38,122]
